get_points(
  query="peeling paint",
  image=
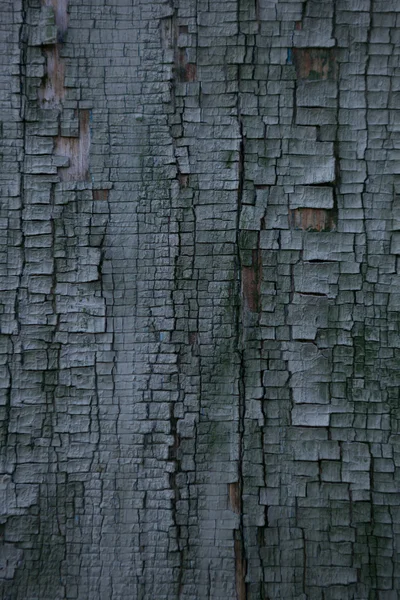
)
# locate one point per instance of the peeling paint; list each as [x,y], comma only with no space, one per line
[201,393]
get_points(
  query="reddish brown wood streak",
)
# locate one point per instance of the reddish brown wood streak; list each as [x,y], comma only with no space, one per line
[312,219]
[251,282]
[183,180]
[192,338]
[234,497]
[315,63]
[100,194]
[190,72]
[240,569]
[186,71]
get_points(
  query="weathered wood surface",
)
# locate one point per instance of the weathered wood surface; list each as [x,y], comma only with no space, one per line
[199,307]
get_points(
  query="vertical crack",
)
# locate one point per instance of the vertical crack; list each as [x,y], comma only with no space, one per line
[239,544]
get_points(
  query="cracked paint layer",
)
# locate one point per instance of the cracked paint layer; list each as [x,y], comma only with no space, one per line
[199,307]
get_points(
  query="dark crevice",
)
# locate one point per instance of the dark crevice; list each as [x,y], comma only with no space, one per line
[316,294]
[239,544]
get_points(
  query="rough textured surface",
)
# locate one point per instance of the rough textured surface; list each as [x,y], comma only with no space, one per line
[200,231]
